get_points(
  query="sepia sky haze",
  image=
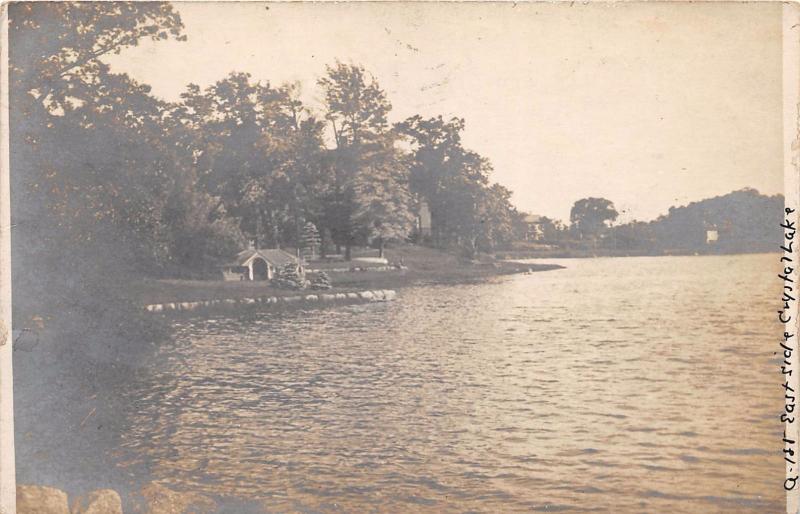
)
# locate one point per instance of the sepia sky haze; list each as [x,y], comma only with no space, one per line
[648,105]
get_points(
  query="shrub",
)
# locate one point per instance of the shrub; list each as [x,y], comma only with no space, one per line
[321,281]
[289,278]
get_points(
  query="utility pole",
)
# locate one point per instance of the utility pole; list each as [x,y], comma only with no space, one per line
[8,487]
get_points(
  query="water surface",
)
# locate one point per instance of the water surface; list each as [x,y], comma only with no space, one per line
[615,385]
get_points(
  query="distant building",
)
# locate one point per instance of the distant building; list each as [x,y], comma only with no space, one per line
[712,232]
[534,230]
[424,219]
[253,264]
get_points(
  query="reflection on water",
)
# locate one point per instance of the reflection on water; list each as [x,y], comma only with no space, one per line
[626,385]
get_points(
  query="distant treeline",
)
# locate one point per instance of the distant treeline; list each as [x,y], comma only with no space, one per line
[738,222]
[741,221]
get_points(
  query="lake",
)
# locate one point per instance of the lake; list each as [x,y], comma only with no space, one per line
[615,385]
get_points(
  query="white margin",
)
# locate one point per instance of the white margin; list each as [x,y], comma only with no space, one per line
[8,490]
[791,189]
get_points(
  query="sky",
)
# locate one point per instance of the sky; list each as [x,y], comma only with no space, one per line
[649,105]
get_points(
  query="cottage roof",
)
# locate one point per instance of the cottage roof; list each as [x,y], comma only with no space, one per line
[273,256]
[533,218]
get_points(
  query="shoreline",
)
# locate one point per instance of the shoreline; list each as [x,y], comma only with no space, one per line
[516,255]
[377,295]
[212,293]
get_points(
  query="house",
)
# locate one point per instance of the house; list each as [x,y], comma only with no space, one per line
[712,233]
[534,230]
[255,264]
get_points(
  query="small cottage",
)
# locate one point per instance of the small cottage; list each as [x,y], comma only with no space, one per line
[254,264]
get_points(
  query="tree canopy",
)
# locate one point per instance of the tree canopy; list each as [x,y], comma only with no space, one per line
[134,185]
[589,216]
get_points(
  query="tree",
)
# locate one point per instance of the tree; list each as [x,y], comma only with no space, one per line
[91,169]
[260,151]
[288,277]
[321,282]
[438,162]
[91,163]
[357,106]
[57,45]
[382,199]
[498,217]
[589,216]
[466,210]
[744,220]
[310,239]
[368,198]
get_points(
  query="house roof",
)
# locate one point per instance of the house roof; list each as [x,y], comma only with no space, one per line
[273,256]
[533,218]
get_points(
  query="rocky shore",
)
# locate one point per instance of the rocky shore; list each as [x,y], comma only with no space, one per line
[153,498]
[378,295]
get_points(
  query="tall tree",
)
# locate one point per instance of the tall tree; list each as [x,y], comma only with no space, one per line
[368,198]
[357,107]
[466,210]
[382,198]
[438,163]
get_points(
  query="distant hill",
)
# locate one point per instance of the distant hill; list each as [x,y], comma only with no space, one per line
[738,222]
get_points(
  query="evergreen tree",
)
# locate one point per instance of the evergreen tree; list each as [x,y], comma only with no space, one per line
[288,277]
[310,240]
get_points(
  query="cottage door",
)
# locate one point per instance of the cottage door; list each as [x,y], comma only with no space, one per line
[260,270]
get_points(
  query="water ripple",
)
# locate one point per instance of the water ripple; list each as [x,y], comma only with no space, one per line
[622,385]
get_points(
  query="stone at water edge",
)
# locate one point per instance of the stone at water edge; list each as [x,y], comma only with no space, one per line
[366,295]
[158,499]
[352,296]
[102,501]
[34,499]
[389,294]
